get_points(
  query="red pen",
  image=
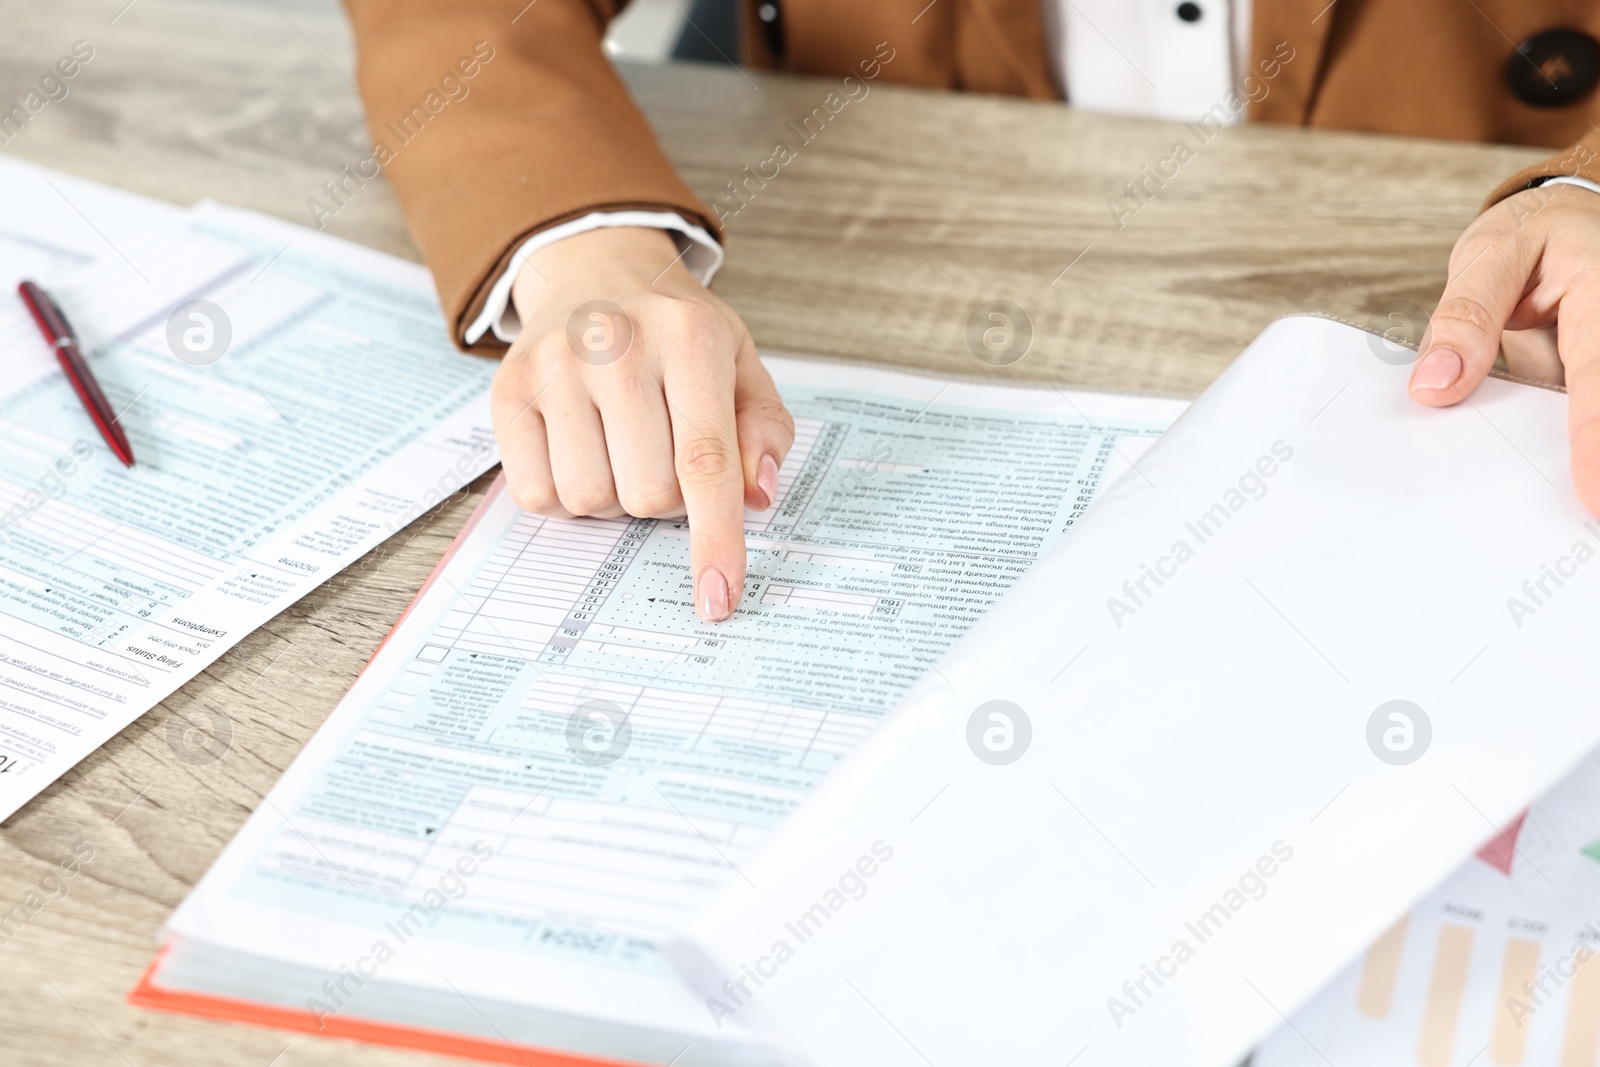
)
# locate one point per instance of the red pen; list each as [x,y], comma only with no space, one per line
[58,331]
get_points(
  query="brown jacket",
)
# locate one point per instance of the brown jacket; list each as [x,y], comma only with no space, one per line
[544,131]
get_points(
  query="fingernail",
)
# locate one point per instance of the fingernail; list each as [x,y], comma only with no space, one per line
[767,479]
[713,595]
[1439,369]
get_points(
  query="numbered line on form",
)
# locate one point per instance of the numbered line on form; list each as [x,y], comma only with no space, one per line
[831,600]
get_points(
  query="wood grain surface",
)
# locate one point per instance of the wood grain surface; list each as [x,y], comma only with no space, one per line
[878,240]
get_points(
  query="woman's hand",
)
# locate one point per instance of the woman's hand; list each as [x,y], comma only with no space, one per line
[1526,276]
[632,389]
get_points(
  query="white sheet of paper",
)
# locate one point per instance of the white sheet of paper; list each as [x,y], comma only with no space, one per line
[56,224]
[1198,834]
[338,413]
[907,505]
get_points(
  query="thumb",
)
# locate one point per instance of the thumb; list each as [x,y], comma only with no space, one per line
[766,429]
[1463,337]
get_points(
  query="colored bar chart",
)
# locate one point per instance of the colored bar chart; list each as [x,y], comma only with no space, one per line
[1380,971]
[1451,959]
[1582,1039]
[1498,967]
[1457,986]
[1509,1039]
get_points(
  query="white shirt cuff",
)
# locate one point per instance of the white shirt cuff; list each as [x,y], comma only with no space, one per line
[698,249]
[1567,179]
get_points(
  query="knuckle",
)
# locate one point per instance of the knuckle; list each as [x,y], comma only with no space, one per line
[625,377]
[704,459]
[672,313]
[509,380]
[539,499]
[654,500]
[561,396]
[774,414]
[692,328]
[588,498]
[547,349]
[517,381]
[1464,314]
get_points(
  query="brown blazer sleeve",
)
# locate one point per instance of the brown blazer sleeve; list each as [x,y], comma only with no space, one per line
[1581,160]
[495,119]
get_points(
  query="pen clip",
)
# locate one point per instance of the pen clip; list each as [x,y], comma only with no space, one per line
[61,316]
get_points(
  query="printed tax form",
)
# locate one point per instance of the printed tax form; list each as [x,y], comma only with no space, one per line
[552,718]
[337,414]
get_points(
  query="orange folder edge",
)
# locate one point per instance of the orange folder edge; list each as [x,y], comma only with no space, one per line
[207,1006]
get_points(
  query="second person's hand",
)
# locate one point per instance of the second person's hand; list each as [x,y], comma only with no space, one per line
[1524,279]
[662,410]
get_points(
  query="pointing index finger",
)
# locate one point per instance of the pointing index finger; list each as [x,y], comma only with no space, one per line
[706,457]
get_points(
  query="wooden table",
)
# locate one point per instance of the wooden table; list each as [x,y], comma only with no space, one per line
[878,241]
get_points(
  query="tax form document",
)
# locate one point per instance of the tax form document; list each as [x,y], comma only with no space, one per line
[552,763]
[313,408]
